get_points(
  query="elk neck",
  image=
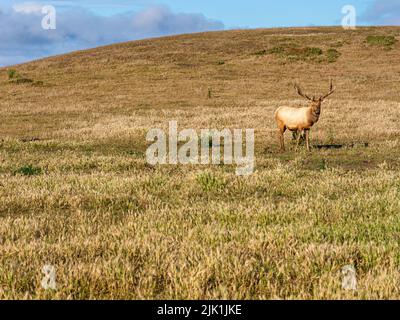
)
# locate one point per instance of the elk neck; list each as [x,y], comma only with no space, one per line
[315,112]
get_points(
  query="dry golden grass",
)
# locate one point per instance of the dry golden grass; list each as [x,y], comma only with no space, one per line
[115,227]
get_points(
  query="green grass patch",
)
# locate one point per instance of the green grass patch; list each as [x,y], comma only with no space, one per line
[383,41]
[22,81]
[28,170]
[332,55]
[209,182]
[16,78]
[12,74]
[296,53]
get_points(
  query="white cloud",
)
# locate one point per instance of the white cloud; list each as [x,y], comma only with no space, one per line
[383,12]
[28,7]
[22,37]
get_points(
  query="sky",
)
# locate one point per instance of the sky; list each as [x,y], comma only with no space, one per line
[82,24]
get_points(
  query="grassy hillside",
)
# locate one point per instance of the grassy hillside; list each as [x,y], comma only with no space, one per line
[76,191]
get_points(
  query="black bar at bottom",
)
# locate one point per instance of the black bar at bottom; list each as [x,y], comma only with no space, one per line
[197,309]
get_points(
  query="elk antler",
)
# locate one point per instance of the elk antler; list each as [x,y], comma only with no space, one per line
[331,90]
[301,92]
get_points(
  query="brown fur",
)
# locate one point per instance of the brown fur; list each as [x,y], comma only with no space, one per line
[300,119]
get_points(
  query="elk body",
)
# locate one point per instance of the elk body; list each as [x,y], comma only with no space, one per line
[299,120]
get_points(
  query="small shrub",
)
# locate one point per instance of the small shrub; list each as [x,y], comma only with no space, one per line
[385,41]
[22,80]
[12,74]
[209,93]
[277,50]
[210,182]
[293,52]
[28,171]
[332,55]
[261,53]
[309,52]
[15,77]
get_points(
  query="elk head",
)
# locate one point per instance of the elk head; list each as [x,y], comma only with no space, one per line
[315,102]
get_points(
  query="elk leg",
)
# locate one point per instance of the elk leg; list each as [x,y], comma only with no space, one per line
[298,138]
[308,139]
[281,133]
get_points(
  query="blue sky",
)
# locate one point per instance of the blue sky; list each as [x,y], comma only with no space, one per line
[90,23]
[269,13]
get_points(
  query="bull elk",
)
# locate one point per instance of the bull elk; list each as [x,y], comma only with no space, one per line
[300,120]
